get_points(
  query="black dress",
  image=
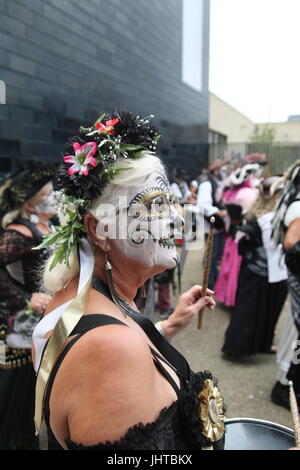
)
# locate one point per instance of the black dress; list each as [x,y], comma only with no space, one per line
[17,377]
[177,426]
[258,302]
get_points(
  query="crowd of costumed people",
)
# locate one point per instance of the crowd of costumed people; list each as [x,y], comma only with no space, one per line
[67,286]
[255,258]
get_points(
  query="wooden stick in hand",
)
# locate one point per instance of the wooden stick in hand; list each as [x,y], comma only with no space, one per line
[206,268]
[295,414]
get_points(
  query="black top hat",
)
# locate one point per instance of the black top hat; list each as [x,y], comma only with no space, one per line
[24,182]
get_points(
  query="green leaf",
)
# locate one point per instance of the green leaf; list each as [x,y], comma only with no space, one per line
[106,176]
[119,170]
[140,154]
[100,118]
[48,240]
[85,129]
[130,148]
[54,262]
[106,141]
[71,214]
[156,138]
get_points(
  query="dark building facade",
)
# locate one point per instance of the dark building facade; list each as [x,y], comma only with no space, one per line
[65,62]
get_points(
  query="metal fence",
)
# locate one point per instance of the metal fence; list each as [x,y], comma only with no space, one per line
[280,154]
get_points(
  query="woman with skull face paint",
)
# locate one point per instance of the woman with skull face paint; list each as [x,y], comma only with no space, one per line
[107,379]
[23,197]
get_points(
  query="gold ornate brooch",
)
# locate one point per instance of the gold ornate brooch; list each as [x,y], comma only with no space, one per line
[211,412]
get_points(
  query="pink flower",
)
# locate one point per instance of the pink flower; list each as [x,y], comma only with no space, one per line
[108,128]
[84,156]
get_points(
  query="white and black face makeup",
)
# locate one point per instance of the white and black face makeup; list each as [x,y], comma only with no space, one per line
[146,222]
[43,201]
[46,205]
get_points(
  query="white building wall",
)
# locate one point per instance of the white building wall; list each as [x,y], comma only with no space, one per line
[228,121]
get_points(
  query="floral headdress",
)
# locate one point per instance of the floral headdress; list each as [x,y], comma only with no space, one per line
[89,164]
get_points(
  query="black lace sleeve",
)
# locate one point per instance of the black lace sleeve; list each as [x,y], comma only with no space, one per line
[13,245]
[12,296]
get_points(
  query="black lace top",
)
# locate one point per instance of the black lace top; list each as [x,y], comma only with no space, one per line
[18,267]
[13,245]
[177,426]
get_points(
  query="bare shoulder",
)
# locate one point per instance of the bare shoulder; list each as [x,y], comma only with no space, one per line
[112,343]
[21,229]
[110,379]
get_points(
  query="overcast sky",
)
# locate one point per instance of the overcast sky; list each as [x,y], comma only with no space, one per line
[255,56]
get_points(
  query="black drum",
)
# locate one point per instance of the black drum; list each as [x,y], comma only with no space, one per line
[256,434]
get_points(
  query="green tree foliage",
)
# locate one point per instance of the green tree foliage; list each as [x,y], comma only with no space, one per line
[265,135]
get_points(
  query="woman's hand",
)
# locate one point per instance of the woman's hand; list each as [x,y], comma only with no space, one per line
[188,306]
[39,302]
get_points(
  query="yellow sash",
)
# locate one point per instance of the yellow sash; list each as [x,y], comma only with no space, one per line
[62,330]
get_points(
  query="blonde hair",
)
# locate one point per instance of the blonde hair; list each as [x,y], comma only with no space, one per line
[59,277]
[266,202]
[12,215]
[262,206]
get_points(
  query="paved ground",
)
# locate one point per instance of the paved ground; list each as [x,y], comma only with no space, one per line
[245,385]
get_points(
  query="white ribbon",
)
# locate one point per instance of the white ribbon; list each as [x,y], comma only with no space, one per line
[48,322]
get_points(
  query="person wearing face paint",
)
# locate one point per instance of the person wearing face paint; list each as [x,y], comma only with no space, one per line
[107,377]
[24,202]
